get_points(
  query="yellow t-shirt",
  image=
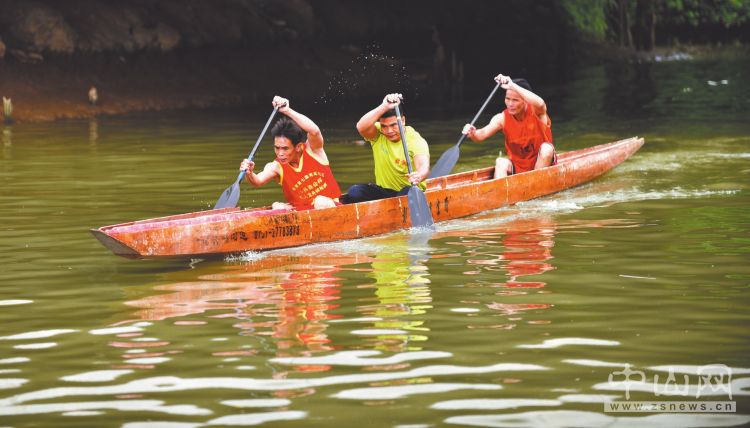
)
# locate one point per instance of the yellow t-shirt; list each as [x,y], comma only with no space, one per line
[390,163]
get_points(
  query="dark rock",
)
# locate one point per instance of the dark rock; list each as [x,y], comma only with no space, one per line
[104,28]
[42,28]
[344,20]
[26,57]
[167,38]
[297,16]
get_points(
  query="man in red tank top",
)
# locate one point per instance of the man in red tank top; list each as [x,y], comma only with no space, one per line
[301,165]
[527,129]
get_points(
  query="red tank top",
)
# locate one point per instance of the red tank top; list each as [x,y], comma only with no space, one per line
[310,179]
[523,138]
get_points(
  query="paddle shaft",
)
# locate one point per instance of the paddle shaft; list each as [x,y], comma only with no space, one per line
[479,113]
[403,139]
[448,159]
[419,210]
[231,195]
[257,143]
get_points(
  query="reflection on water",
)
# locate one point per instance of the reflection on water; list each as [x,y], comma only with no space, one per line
[7,142]
[289,301]
[285,299]
[526,247]
[93,131]
[292,298]
[402,295]
[514,253]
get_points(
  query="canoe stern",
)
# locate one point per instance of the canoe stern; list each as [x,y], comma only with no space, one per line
[114,245]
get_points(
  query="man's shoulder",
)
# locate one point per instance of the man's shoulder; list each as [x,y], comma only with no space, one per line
[318,154]
[410,131]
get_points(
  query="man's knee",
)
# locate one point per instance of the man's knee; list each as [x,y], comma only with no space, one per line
[503,167]
[546,154]
[501,161]
[321,201]
[357,192]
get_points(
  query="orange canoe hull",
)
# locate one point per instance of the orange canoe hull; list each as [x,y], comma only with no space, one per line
[235,230]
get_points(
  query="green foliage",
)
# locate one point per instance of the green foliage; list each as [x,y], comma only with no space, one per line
[587,16]
[594,17]
[727,13]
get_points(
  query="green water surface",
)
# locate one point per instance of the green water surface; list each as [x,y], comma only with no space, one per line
[524,316]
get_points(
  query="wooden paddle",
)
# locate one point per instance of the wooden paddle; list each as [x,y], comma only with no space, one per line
[419,210]
[231,195]
[448,160]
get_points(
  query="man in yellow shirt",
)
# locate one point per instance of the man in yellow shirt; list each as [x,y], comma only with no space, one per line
[379,127]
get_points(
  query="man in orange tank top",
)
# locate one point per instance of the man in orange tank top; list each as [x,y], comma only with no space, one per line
[301,165]
[527,129]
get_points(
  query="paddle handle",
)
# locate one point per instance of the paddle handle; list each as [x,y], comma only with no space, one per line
[479,113]
[260,138]
[403,138]
[263,133]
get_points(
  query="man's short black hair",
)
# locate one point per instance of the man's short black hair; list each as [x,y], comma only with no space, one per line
[392,112]
[286,127]
[522,83]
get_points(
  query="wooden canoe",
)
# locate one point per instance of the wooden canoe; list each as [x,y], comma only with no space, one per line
[235,230]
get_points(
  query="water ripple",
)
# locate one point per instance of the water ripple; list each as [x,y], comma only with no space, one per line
[737,387]
[116,330]
[377,332]
[581,419]
[701,370]
[155,360]
[15,360]
[489,404]
[42,345]
[588,398]
[257,402]
[96,376]
[9,383]
[37,334]
[123,405]
[150,424]
[401,391]
[258,418]
[565,341]
[173,383]
[356,358]
[593,363]
[15,302]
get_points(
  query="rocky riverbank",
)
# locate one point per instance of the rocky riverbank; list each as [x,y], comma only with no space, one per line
[59,87]
[142,55]
[159,55]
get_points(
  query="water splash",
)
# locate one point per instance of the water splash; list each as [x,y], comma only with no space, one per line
[367,70]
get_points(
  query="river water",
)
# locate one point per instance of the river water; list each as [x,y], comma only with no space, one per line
[531,315]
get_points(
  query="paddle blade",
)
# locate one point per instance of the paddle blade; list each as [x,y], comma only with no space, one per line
[229,198]
[419,209]
[445,164]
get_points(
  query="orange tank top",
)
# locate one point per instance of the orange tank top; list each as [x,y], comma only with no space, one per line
[523,138]
[311,178]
